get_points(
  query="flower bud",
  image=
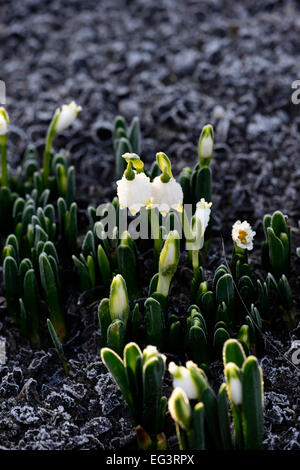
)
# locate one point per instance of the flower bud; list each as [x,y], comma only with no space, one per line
[66,115]
[180,408]
[183,379]
[169,255]
[206,145]
[4,122]
[234,384]
[118,299]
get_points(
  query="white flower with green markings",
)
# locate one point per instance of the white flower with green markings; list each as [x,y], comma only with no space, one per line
[167,194]
[134,189]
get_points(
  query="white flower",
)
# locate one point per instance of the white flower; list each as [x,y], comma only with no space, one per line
[166,196]
[67,114]
[4,122]
[242,235]
[182,379]
[135,193]
[203,210]
[236,391]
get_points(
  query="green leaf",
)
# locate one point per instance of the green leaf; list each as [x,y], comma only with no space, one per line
[153,372]
[116,336]
[124,146]
[276,253]
[85,281]
[11,286]
[116,367]
[198,433]
[220,337]
[253,420]
[104,320]
[134,135]
[58,346]
[52,296]
[223,415]
[154,323]
[233,352]
[31,305]
[104,265]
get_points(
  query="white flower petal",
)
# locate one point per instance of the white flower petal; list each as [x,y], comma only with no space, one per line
[182,379]
[135,193]
[236,391]
[166,196]
[242,235]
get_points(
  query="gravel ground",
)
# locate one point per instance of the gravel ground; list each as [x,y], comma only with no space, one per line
[177,65]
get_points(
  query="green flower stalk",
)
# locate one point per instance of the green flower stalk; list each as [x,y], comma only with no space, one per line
[168,262]
[4,127]
[139,377]
[63,118]
[201,179]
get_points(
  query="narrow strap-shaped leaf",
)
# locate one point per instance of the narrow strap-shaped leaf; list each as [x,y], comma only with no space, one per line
[116,367]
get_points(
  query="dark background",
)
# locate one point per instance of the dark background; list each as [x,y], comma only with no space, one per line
[174,64]
[177,65]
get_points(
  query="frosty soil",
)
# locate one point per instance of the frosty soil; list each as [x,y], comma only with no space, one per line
[257,135]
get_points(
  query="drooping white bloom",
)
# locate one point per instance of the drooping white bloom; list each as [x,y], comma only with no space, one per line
[4,122]
[203,210]
[135,193]
[182,379]
[166,196]
[242,235]
[236,391]
[67,114]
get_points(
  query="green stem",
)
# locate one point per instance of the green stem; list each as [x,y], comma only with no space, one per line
[155,233]
[47,154]
[4,172]
[195,260]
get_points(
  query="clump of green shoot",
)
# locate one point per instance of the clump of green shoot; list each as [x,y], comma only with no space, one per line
[202,418]
[139,377]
